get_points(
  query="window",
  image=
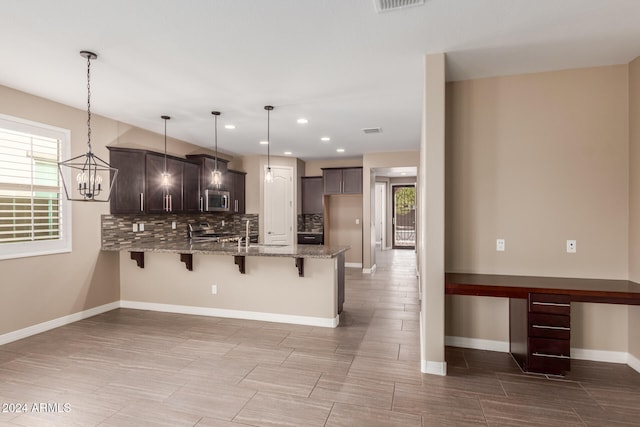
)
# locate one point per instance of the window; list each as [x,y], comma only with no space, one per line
[34,215]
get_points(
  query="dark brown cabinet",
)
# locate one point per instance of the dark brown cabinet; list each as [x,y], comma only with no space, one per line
[236,182]
[191,192]
[127,196]
[540,330]
[161,198]
[342,180]
[139,187]
[312,194]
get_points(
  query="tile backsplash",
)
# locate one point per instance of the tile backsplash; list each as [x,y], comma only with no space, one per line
[117,230]
[311,223]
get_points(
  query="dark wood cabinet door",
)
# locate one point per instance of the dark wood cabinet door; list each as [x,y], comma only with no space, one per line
[239,183]
[332,181]
[312,192]
[155,202]
[352,181]
[127,196]
[191,180]
[235,185]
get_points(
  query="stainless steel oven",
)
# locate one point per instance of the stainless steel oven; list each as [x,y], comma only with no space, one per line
[216,201]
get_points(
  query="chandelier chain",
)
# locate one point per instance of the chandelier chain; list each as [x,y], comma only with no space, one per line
[89,103]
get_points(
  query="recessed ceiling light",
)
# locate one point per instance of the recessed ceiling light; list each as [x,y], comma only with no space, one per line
[287,153]
[325,139]
[264,142]
[303,121]
[340,150]
[229,126]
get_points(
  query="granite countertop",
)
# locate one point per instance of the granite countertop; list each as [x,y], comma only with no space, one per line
[214,248]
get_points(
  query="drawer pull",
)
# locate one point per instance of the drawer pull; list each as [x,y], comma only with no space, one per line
[559,328]
[551,304]
[555,356]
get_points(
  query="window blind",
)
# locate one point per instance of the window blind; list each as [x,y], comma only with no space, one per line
[29,187]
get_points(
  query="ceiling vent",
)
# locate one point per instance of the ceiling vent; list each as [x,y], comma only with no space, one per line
[387,5]
[372,130]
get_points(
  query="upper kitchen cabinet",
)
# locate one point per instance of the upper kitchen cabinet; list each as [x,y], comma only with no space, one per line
[161,198]
[236,185]
[127,196]
[207,166]
[312,192]
[192,201]
[139,187]
[342,180]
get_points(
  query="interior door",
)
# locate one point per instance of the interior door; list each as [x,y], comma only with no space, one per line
[404,216]
[278,207]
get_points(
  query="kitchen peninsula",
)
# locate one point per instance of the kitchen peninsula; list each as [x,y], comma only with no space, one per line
[290,284]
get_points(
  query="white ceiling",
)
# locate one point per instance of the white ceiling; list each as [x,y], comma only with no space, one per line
[338,63]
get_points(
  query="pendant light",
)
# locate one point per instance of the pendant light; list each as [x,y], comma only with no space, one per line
[91,171]
[268,176]
[165,179]
[216,175]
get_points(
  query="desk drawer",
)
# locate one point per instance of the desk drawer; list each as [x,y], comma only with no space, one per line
[548,364]
[550,303]
[543,325]
[549,347]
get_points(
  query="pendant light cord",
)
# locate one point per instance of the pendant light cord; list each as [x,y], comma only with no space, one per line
[88,103]
[268,141]
[216,140]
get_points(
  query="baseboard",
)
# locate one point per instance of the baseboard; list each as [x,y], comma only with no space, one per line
[233,314]
[370,270]
[353,264]
[56,323]
[633,362]
[477,344]
[576,353]
[599,355]
[433,368]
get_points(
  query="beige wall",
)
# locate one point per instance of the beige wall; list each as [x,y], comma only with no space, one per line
[39,289]
[538,159]
[314,167]
[344,210]
[634,200]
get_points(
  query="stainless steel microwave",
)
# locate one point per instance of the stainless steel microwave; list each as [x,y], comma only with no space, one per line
[216,200]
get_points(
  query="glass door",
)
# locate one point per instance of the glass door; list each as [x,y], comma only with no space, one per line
[404,216]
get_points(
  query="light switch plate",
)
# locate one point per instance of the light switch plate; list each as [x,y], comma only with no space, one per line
[135,227]
[500,245]
[141,226]
[173,225]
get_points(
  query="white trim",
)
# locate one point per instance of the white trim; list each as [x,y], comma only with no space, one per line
[633,362]
[56,323]
[370,270]
[433,368]
[599,355]
[233,314]
[353,264]
[477,344]
[576,353]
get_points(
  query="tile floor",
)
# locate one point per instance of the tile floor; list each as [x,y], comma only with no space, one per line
[139,368]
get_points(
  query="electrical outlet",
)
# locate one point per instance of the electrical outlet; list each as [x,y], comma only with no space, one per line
[214,289]
[571,246]
[357,221]
[500,245]
[141,226]
[135,227]
[223,222]
[173,225]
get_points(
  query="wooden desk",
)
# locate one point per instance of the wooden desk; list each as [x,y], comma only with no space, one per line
[539,311]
